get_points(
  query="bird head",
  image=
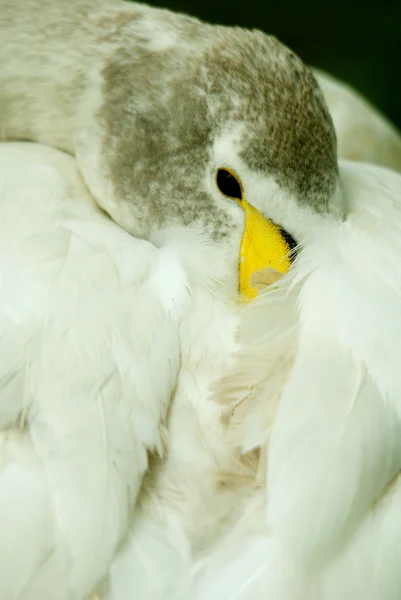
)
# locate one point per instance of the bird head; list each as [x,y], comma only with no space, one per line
[192,125]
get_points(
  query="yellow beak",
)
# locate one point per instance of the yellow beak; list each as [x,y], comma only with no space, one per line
[263,246]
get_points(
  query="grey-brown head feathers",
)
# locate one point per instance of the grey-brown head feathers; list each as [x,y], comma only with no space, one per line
[166,98]
[140,95]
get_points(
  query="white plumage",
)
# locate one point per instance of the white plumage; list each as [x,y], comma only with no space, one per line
[363,132]
[75,293]
[74,288]
[330,525]
[90,352]
[101,330]
[336,440]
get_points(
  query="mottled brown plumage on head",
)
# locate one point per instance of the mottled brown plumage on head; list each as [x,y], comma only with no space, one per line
[162,110]
[140,95]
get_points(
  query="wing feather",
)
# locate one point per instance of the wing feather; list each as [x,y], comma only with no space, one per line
[91,356]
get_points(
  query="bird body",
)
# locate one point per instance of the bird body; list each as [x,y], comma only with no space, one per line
[207,154]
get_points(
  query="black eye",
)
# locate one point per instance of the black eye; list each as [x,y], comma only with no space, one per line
[228,184]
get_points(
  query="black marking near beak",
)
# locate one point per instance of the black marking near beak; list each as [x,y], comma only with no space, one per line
[292,244]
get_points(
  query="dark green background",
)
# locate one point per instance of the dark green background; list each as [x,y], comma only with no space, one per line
[359,42]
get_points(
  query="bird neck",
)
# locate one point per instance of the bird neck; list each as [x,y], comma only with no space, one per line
[48,50]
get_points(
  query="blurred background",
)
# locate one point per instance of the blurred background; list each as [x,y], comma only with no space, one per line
[358,42]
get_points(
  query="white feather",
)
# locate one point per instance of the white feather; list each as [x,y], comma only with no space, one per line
[336,441]
[89,346]
[363,133]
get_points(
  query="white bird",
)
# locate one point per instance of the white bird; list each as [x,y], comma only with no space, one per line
[185,134]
